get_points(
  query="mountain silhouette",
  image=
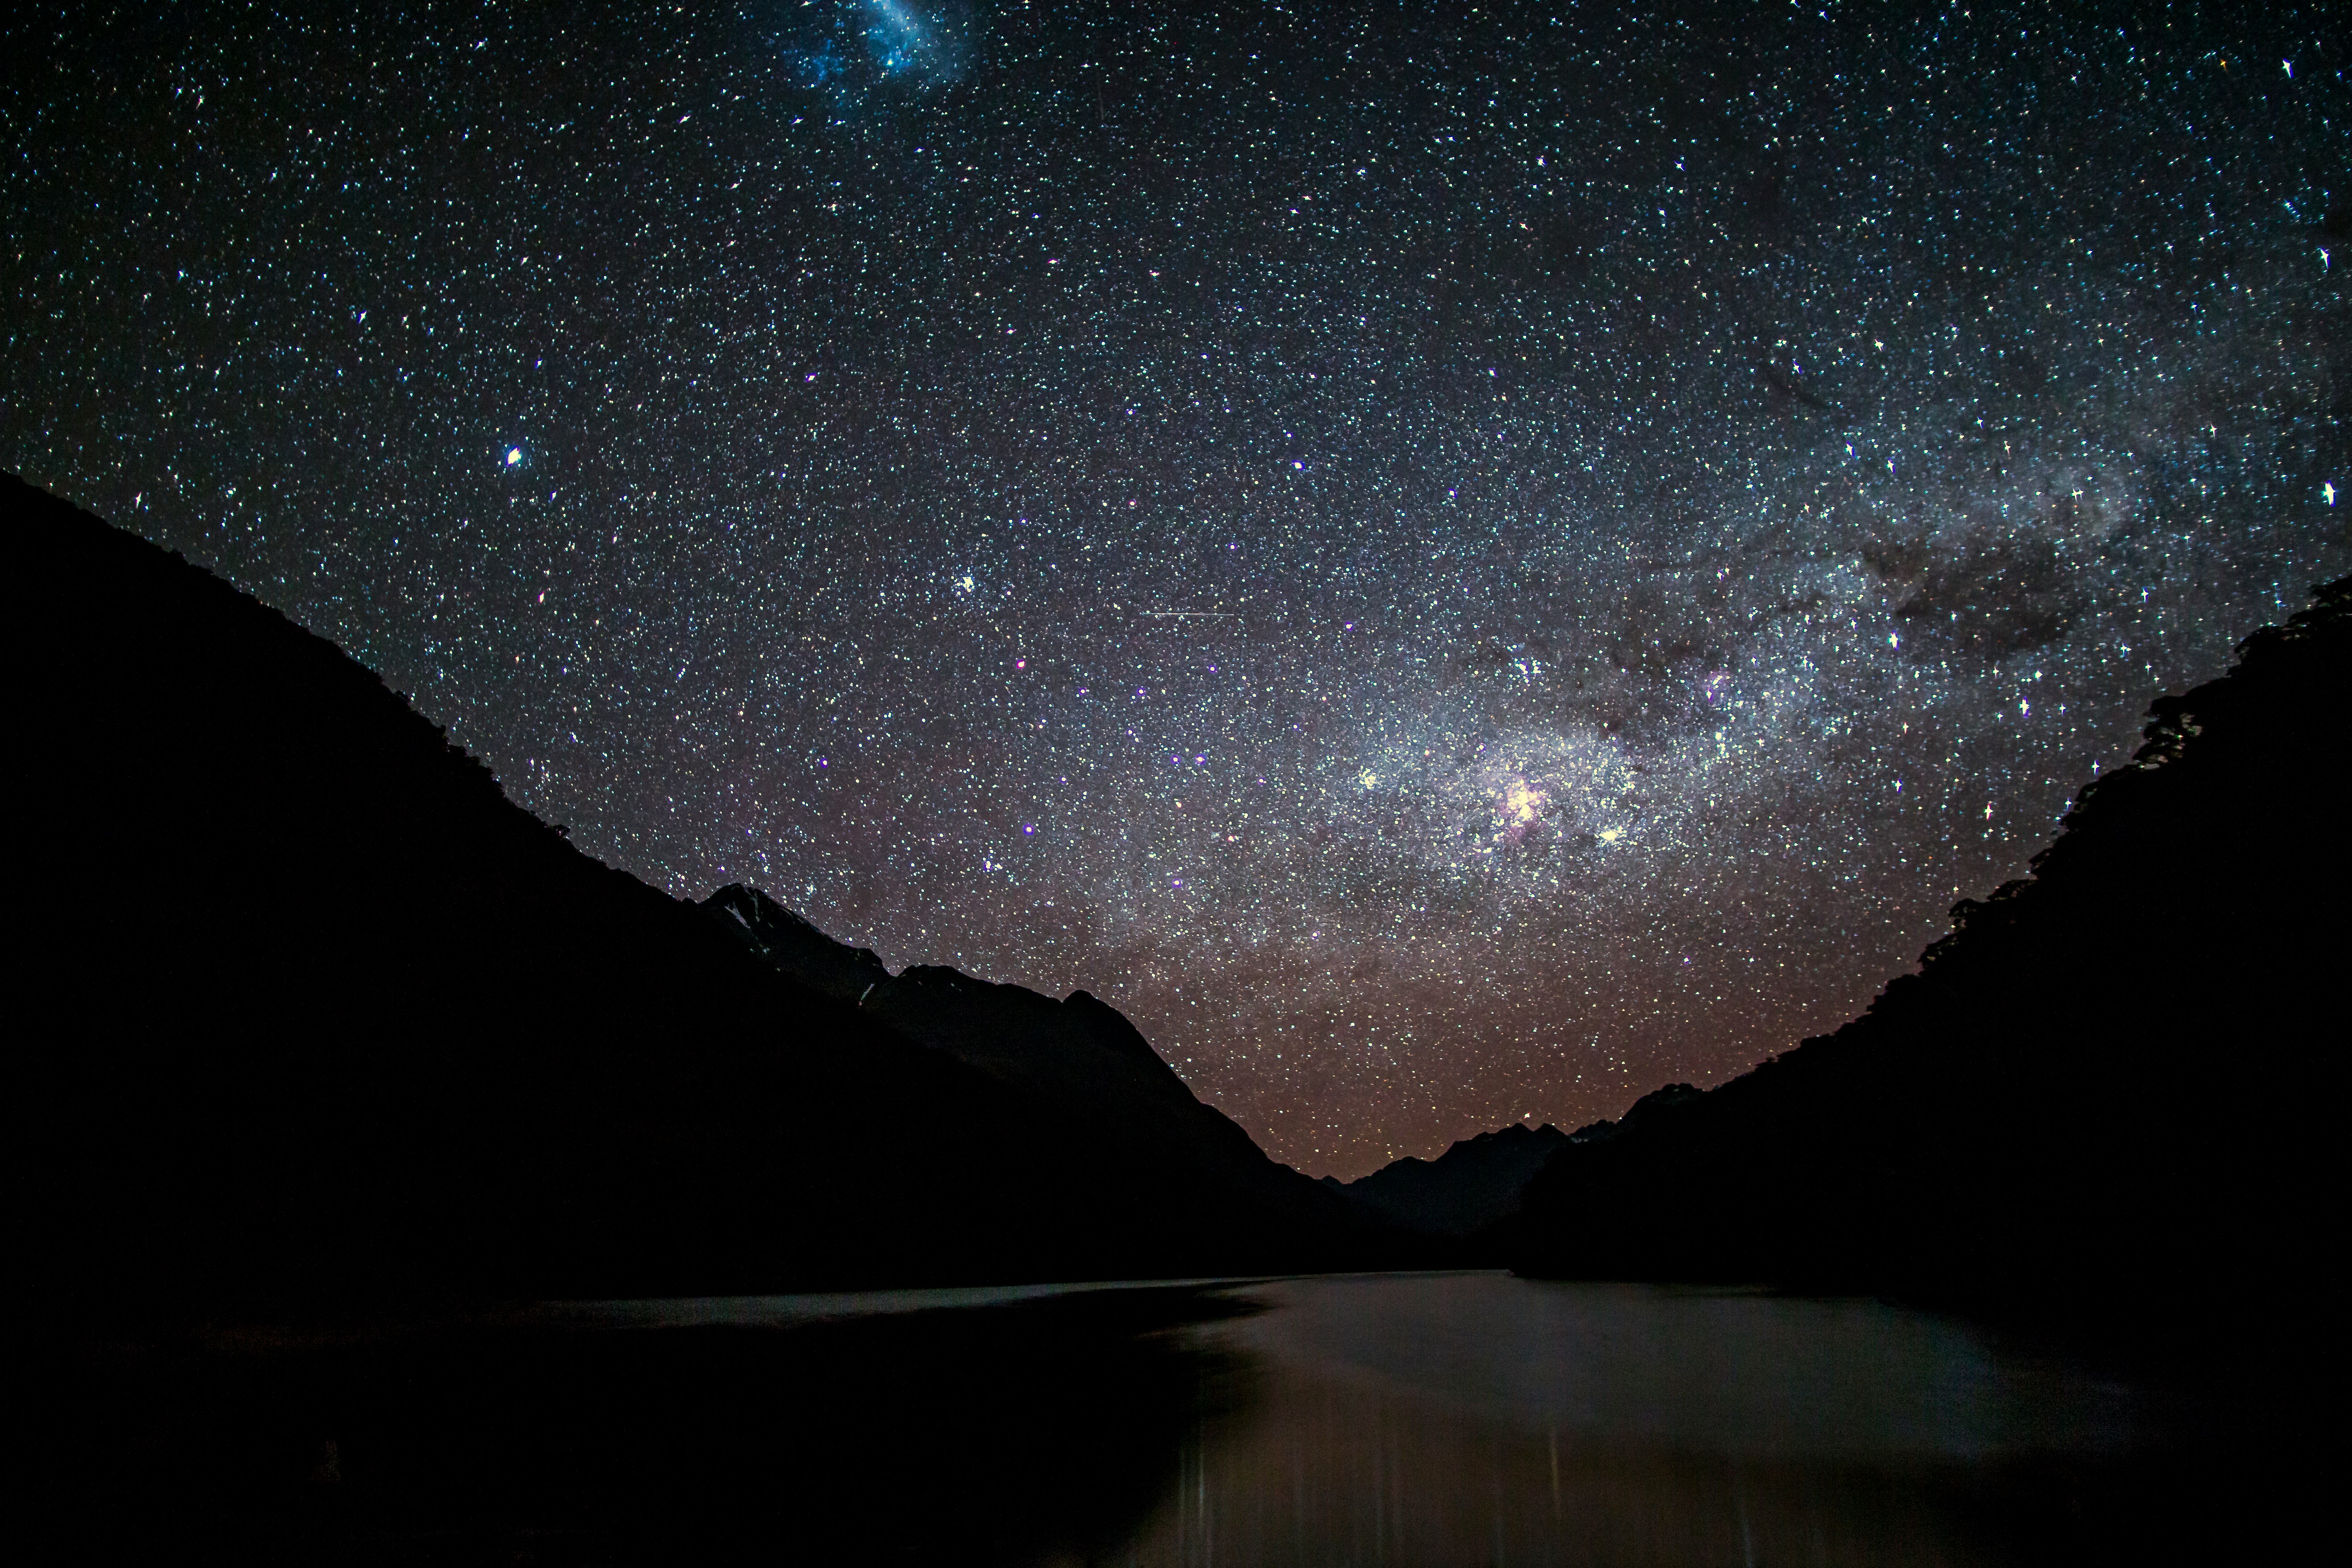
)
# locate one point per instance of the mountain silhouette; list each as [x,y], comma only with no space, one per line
[1078,1058]
[2114,1084]
[309,1011]
[1475,1184]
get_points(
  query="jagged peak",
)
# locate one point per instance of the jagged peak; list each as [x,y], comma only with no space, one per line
[852,973]
[1509,1132]
[751,907]
[794,945]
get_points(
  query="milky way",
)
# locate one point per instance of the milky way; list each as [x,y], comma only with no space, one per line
[1456,567]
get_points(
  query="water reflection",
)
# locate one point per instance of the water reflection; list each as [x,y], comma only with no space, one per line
[1483,1420]
[1464,1419]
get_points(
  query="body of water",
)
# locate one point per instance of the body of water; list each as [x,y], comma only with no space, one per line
[1486,1419]
[1472,1419]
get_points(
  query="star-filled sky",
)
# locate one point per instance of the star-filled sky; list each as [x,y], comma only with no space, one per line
[1459,563]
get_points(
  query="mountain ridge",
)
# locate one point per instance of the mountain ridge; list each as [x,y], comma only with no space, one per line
[2069,1106]
[312,1011]
[1080,1056]
[1473,1184]
[1477,1183]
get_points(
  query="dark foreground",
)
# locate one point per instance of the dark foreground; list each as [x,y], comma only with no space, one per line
[1425,1419]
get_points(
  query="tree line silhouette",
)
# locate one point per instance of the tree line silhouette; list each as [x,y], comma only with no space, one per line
[2112,1089]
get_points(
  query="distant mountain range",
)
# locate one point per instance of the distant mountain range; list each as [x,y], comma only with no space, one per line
[1472,1184]
[307,1011]
[1476,1186]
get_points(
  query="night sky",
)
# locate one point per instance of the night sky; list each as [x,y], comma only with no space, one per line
[1456,564]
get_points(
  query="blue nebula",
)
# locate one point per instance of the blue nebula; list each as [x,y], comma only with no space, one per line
[904,41]
[864,43]
[814,67]
[899,38]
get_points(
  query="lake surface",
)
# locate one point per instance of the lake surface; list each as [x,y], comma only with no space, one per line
[1485,1419]
[1443,1419]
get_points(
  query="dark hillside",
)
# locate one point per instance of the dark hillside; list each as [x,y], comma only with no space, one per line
[1475,1182]
[1078,1057]
[2116,1080]
[306,1007]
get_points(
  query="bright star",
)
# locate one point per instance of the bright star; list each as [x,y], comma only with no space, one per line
[514,456]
